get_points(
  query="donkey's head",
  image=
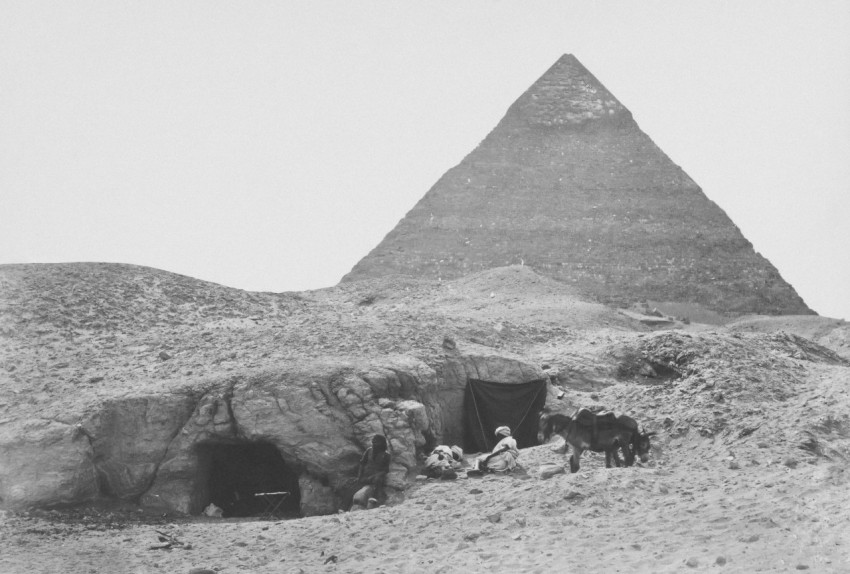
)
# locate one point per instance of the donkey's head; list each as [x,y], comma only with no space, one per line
[642,445]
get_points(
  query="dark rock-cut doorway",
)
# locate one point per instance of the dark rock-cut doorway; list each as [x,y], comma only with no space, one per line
[230,474]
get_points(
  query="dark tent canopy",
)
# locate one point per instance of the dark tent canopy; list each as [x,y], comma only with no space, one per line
[488,405]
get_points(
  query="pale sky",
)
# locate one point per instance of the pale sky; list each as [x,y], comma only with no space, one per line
[270,145]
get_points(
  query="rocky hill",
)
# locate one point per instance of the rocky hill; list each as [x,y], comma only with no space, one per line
[111,365]
[122,387]
[568,184]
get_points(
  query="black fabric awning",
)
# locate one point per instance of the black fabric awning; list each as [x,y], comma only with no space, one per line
[488,405]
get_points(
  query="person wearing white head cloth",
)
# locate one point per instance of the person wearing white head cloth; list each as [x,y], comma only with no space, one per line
[504,455]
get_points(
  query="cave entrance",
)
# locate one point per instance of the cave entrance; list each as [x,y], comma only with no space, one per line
[231,474]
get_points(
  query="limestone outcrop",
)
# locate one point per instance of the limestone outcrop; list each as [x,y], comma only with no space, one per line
[45,463]
[319,417]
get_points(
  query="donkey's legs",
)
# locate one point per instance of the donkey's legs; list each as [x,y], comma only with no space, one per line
[620,443]
[628,451]
[611,454]
[577,450]
[615,453]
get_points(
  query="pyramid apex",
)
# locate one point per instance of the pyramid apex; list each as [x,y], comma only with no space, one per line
[566,95]
[568,58]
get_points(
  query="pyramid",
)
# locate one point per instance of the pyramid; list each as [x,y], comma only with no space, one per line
[568,184]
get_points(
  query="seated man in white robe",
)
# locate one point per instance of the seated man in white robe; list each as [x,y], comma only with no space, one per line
[504,455]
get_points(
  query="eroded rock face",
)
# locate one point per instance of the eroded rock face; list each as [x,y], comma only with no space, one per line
[316,498]
[130,438]
[46,463]
[319,417]
[320,420]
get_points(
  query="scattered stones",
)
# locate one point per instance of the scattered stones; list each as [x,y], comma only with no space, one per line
[167,541]
[646,370]
[692,562]
[547,471]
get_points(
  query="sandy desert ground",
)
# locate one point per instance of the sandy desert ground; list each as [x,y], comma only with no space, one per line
[672,516]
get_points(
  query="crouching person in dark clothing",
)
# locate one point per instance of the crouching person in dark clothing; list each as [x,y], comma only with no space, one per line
[372,474]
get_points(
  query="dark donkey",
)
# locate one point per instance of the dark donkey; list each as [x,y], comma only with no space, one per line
[603,432]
